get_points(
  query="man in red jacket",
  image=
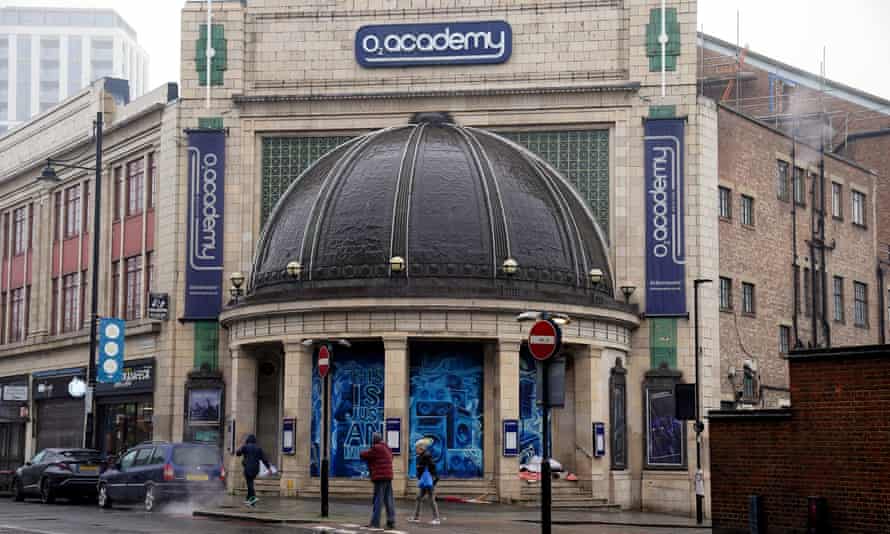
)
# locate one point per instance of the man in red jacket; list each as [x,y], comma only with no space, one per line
[379,460]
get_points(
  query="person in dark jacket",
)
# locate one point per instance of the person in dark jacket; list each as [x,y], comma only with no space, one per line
[425,462]
[379,460]
[252,455]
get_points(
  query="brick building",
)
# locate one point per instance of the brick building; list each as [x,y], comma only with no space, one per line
[833,442]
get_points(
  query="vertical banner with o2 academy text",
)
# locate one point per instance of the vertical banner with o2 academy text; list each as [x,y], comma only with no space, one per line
[204,254]
[665,211]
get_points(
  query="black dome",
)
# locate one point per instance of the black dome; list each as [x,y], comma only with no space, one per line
[454,202]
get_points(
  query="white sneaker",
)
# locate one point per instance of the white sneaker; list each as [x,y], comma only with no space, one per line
[435,522]
[413,520]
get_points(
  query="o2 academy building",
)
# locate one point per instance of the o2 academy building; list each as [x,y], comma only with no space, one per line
[402,184]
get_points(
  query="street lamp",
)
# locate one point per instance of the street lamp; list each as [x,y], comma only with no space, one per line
[628,291]
[699,427]
[596,277]
[48,174]
[510,266]
[397,264]
[294,269]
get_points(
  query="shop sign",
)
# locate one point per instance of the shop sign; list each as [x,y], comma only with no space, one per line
[204,233]
[15,393]
[665,235]
[158,306]
[137,377]
[447,43]
[54,384]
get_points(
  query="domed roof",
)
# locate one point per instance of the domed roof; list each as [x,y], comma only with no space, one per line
[454,202]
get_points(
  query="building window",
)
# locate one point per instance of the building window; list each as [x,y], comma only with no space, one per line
[837,200]
[57,215]
[18,312]
[838,293]
[725,203]
[725,293]
[118,187]
[858,201]
[747,210]
[135,186]
[19,231]
[72,212]
[133,297]
[149,275]
[115,288]
[747,298]
[748,384]
[800,187]
[860,304]
[807,301]
[784,339]
[152,180]
[782,189]
[70,302]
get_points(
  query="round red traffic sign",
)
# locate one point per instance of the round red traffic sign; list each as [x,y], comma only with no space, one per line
[324,361]
[543,339]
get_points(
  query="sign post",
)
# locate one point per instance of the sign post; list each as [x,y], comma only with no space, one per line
[544,340]
[324,366]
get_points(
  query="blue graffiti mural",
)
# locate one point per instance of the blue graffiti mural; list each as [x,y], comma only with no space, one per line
[446,405]
[531,415]
[357,379]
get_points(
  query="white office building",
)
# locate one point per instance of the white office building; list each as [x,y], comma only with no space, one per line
[49,54]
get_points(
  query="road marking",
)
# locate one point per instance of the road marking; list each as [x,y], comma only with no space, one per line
[34,530]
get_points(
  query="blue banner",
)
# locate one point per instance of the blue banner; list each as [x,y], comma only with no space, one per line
[449,43]
[665,210]
[110,368]
[205,232]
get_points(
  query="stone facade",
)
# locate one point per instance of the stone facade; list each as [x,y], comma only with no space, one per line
[574,66]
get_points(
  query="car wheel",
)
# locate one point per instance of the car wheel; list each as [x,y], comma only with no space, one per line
[103,499]
[18,491]
[47,495]
[151,498]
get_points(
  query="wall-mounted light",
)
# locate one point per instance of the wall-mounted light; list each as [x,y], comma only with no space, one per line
[294,269]
[596,276]
[237,280]
[628,291]
[510,266]
[397,264]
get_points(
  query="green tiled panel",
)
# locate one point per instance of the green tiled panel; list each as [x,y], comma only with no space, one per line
[207,344]
[663,342]
[662,112]
[210,123]
[653,47]
[285,158]
[582,157]
[220,57]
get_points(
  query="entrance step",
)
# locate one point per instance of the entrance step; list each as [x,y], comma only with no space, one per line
[566,495]
[460,489]
[268,487]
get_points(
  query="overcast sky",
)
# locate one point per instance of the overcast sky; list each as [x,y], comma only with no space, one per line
[856,33]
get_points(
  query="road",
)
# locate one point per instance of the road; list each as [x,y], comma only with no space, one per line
[31,517]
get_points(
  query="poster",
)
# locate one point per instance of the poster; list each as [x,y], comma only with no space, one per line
[357,379]
[664,436]
[531,415]
[205,406]
[446,405]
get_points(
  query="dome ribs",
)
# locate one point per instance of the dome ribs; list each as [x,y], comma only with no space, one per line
[496,218]
[398,245]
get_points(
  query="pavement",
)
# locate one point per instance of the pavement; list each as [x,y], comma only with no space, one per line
[349,516]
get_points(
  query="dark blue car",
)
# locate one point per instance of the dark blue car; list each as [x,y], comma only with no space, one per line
[157,472]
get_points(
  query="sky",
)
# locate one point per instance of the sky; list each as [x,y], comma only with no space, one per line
[854,33]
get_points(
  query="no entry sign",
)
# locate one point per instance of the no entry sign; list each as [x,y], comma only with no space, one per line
[324,360]
[543,339]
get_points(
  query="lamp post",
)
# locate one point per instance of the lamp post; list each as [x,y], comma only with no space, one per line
[49,174]
[699,427]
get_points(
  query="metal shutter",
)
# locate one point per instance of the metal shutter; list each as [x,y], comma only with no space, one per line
[59,423]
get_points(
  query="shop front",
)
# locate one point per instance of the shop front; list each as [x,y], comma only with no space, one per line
[125,410]
[59,408]
[13,418]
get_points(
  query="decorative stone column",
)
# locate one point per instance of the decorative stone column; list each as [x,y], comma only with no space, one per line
[242,402]
[295,475]
[590,407]
[507,468]
[397,403]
